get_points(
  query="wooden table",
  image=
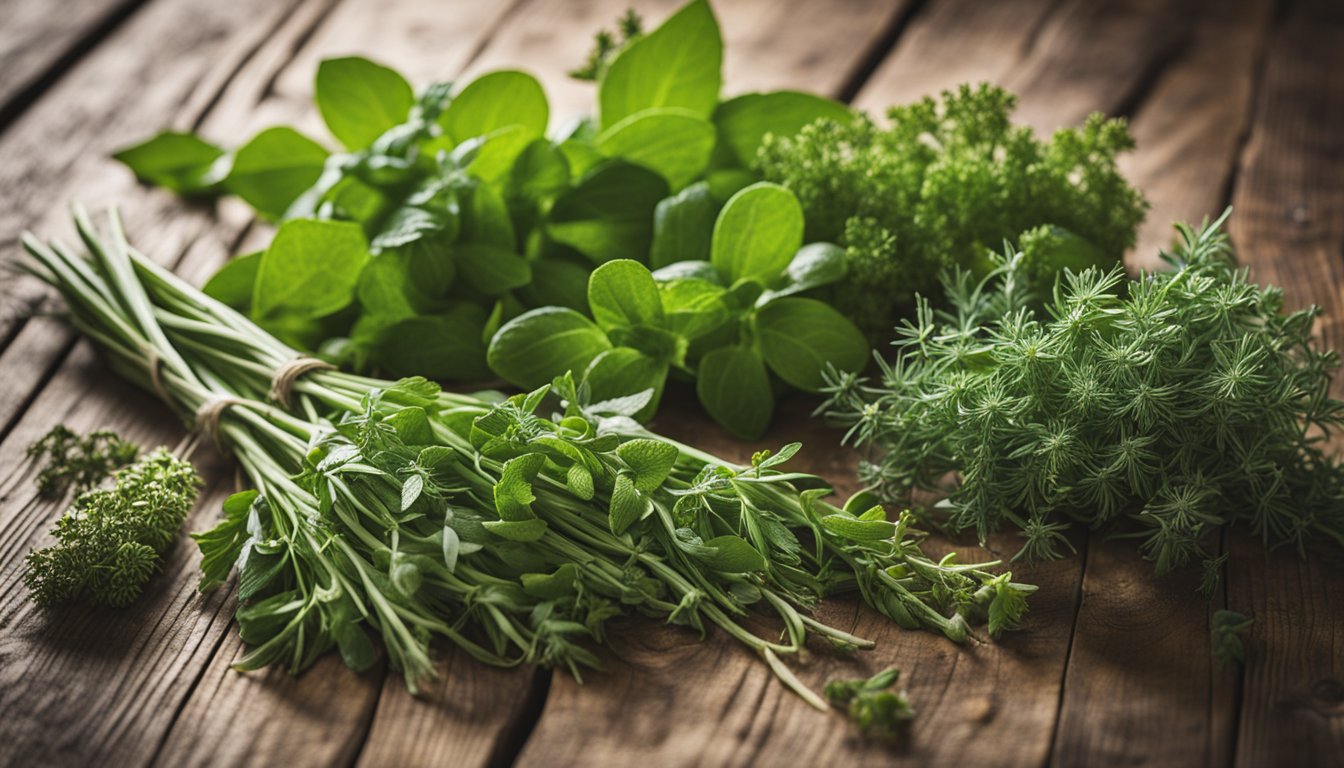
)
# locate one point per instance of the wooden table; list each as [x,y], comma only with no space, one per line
[1232,101]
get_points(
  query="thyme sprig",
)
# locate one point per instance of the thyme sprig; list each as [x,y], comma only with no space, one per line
[1181,401]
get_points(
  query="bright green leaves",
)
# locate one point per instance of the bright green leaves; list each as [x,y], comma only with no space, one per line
[310,270]
[676,65]
[757,233]
[628,505]
[734,388]
[494,101]
[649,460]
[274,168]
[674,142]
[622,293]
[745,120]
[683,226]
[181,162]
[801,337]
[609,213]
[536,346]
[360,100]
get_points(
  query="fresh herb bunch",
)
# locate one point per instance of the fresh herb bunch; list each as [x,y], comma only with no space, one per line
[942,181]
[110,541]
[70,460]
[872,704]
[511,530]
[1183,401]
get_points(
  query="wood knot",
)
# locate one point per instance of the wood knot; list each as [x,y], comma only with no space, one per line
[1328,695]
[1300,215]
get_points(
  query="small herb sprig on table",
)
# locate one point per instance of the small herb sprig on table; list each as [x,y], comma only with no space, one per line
[872,704]
[510,527]
[1181,402]
[70,460]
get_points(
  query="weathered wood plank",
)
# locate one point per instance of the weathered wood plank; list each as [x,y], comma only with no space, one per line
[1141,685]
[1289,227]
[37,43]
[1191,127]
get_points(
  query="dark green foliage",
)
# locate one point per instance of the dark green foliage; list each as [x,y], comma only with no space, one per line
[1179,402]
[944,181]
[109,542]
[71,461]
[872,705]
[1227,630]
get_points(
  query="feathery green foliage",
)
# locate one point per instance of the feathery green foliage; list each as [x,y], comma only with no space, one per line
[946,180]
[1181,401]
[109,542]
[79,462]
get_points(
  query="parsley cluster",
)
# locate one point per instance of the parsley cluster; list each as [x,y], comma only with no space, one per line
[109,542]
[80,462]
[945,180]
[1184,400]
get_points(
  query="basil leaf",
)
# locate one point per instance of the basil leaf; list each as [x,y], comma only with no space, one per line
[486,219]
[800,337]
[272,170]
[694,307]
[757,233]
[556,282]
[734,388]
[310,269]
[234,282]
[497,100]
[683,226]
[813,266]
[744,121]
[539,345]
[623,371]
[492,270]
[440,346]
[674,142]
[609,214]
[182,162]
[677,65]
[622,293]
[360,100]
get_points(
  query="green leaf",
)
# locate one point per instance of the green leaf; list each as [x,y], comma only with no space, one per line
[486,219]
[540,173]
[441,346]
[674,142]
[580,481]
[357,650]
[182,162]
[732,554]
[683,226]
[556,282]
[497,100]
[274,168]
[677,65]
[815,265]
[233,283]
[650,460]
[552,586]
[628,505]
[694,307]
[745,120]
[734,389]
[622,293]
[310,269]
[517,530]
[800,337]
[859,530]
[221,545]
[360,100]
[757,233]
[513,492]
[490,269]
[500,151]
[609,214]
[623,371]
[539,345]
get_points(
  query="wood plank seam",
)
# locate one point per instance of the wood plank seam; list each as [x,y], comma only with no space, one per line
[878,50]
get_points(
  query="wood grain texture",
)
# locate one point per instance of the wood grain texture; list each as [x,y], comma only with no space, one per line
[1289,227]
[1191,128]
[37,44]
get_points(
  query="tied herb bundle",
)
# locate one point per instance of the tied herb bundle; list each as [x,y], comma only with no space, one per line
[399,508]
[110,541]
[1183,401]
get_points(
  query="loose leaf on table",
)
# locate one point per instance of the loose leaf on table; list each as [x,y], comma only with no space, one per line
[182,162]
[497,100]
[609,214]
[272,170]
[310,269]
[757,233]
[674,142]
[734,388]
[537,346]
[622,293]
[677,65]
[801,337]
[360,100]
